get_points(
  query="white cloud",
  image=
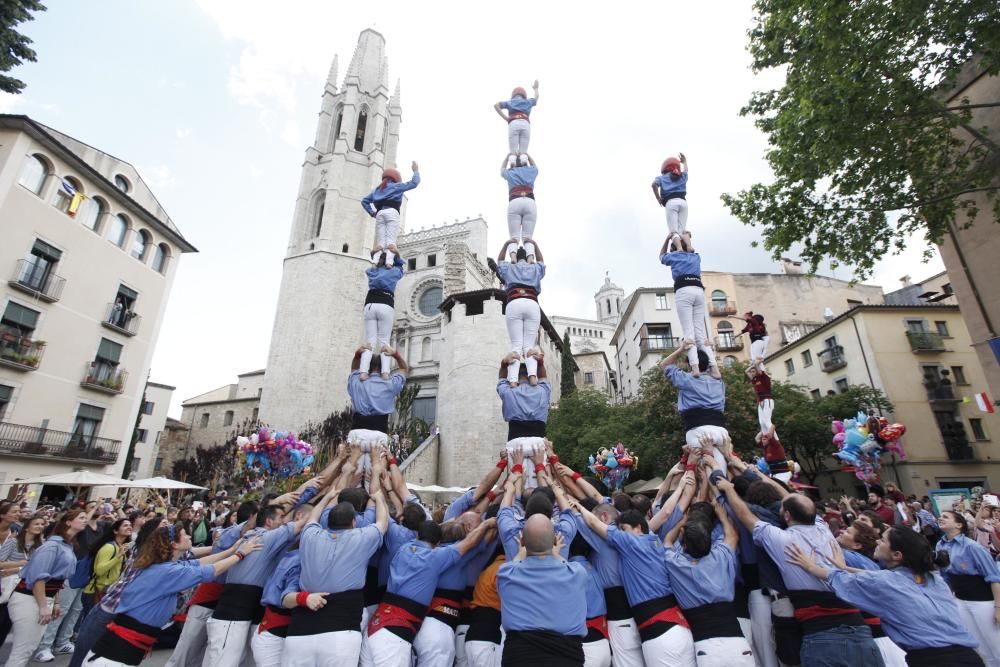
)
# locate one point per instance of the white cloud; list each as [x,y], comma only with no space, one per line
[158,177]
[9,102]
[183,133]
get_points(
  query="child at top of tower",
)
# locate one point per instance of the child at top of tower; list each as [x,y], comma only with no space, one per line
[670,190]
[757,331]
[518,109]
[380,312]
[520,173]
[383,204]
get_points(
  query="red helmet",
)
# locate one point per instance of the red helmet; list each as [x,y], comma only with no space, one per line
[671,164]
[519,91]
[392,175]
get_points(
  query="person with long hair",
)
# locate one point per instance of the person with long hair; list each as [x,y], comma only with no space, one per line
[34,603]
[383,204]
[522,280]
[108,555]
[149,600]
[915,605]
[14,554]
[974,578]
[518,112]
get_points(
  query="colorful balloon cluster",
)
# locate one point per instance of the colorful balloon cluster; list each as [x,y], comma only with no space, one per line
[613,466]
[277,453]
[863,440]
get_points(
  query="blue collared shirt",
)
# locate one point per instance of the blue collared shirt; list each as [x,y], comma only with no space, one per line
[151,598]
[701,581]
[53,560]
[816,539]
[460,505]
[334,561]
[969,557]
[475,565]
[859,561]
[603,556]
[913,615]
[520,176]
[522,273]
[416,567]
[284,579]
[682,263]
[391,192]
[375,396]
[453,578]
[380,277]
[519,104]
[703,391]
[596,606]
[644,575]
[395,537]
[669,186]
[510,522]
[532,589]
[258,565]
[525,402]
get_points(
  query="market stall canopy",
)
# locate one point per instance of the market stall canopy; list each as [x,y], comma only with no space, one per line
[78,478]
[434,488]
[648,486]
[160,483]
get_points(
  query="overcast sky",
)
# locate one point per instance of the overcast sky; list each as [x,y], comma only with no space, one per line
[215,102]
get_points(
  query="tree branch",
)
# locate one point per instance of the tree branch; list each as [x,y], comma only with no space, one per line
[908,206]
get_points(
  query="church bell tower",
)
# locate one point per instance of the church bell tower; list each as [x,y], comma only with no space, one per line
[318,323]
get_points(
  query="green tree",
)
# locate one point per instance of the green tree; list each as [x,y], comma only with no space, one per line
[567,385]
[14,47]
[864,153]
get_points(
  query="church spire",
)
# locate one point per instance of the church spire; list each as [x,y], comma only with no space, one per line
[394,100]
[369,65]
[331,79]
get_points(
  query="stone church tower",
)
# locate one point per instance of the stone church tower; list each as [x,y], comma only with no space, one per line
[608,300]
[318,323]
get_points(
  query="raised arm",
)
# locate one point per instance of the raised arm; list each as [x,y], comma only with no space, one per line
[538,252]
[680,497]
[684,160]
[740,508]
[503,250]
[490,479]
[534,87]
[509,357]
[672,358]
[503,165]
[403,367]
[531,162]
[475,536]
[542,373]
[729,534]
[591,520]
[356,362]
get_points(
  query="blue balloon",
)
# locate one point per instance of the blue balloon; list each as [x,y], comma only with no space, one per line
[612,463]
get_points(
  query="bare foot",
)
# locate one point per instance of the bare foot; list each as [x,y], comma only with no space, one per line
[533,380]
[364,376]
[385,376]
[695,373]
[513,385]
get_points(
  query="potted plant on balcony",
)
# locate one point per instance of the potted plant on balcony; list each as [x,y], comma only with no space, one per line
[33,448]
[97,453]
[8,337]
[41,343]
[29,360]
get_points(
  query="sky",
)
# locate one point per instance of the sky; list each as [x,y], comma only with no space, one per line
[215,102]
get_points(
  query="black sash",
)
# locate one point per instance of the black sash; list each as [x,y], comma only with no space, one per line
[688,281]
[695,417]
[484,625]
[52,586]
[342,612]
[645,615]
[952,656]
[525,429]
[112,647]
[674,195]
[370,422]
[817,611]
[239,602]
[387,203]
[381,296]
[447,606]
[528,648]
[717,619]
[971,587]
[617,604]
[371,591]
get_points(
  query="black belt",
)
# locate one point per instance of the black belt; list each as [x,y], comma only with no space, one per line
[674,195]
[484,625]
[970,587]
[525,429]
[380,296]
[527,648]
[754,337]
[952,656]
[388,203]
[688,281]
[521,292]
[370,422]
[716,619]
[341,612]
[240,602]
[751,576]
[617,604]
[695,417]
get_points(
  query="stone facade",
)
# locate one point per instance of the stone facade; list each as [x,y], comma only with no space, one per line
[594,372]
[173,446]
[151,429]
[213,416]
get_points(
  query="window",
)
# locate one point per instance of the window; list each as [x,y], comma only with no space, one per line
[227,419]
[718,300]
[916,326]
[253,417]
[122,311]
[33,174]
[429,302]
[729,360]
[359,136]
[122,183]
[6,393]
[425,349]
[318,217]
[958,372]
[340,121]
[143,434]
[140,244]
[815,394]
[204,420]
[425,409]
[158,464]
[609,306]
[69,196]
[147,407]
[602,334]
[841,385]
[432,260]
[978,432]
[160,255]
[117,230]
[38,269]
[411,264]
[830,342]
[87,424]
[726,338]
[942,328]
[18,321]
[807,358]
[105,364]
[661,301]
[789,367]
[136,462]
[659,338]
[91,212]
[588,378]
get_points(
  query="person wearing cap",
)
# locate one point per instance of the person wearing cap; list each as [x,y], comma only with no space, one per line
[518,110]
[670,190]
[520,173]
[522,281]
[373,401]
[380,312]
[383,204]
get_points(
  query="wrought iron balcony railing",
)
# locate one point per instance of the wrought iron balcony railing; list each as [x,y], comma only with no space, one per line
[37,280]
[19,440]
[20,352]
[104,377]
[122,320]
[832,358]
[925,341]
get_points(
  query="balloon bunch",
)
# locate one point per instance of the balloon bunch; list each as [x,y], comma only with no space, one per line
[613,466]
[277,453]
[863,440]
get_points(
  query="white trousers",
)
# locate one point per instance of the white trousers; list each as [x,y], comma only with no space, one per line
[626,647]
[190,649]
[762,634]
[388,650]
[758,350]
[25,631]
[386,227]
[677,215]
[378,330]
[692,440]
[227,642]
[483,654]
[526,445]
[765,408]
[723,652]
[978,618]
[266,648]
[93,661]
[523,318]
[691,312]
[521,216]
[892,655]
[460,659]
[327,649]
[518,135]
[597,654]
[674,648]
[364,439]
[434,644]
[60,630]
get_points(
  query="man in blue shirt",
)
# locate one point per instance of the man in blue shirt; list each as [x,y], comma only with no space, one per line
[532,587]
[383,204]
[373,400]
[518,108]
[701,402]
[525,408]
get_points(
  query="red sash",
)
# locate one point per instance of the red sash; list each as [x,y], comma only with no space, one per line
[669,615]
[273,620]
[521,190]
[522,293]
[207,592]
[518,115]
[391,616]
[137,639]
[599,623]
[812,613]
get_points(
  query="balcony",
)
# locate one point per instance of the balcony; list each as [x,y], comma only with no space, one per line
[18,440]
[925,341]
[40,283]
[832,358]
[722,308]
[104,377]
[20,352]
[941,393]
[123,321]
[658,344]
[728,344]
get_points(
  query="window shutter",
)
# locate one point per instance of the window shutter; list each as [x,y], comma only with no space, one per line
[20,316]
[5,392]
[45,250]
[90,412]
[109,351]
[128,292]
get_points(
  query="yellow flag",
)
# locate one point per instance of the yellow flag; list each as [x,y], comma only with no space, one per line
[74,204]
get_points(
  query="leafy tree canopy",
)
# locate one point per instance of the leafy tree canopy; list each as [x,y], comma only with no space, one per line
[14,47]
